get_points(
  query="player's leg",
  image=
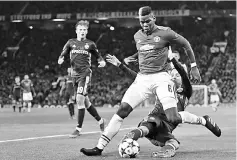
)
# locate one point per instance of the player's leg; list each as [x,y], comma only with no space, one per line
[29,106]
[215,100]
[67,97]
[24,106]
[92,110]
[14,105]
[19,106]
[166,94]
[80,100]
[135,94]
[72,105]
[147,126]
[168,150]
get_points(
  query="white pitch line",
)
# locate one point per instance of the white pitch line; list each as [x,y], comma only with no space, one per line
[54,136]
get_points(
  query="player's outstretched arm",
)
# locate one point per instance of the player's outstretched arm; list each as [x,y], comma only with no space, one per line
[185,80]
[64,52]
[113,60]
[174,37]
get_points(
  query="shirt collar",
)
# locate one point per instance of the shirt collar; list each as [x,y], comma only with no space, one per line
[149,33]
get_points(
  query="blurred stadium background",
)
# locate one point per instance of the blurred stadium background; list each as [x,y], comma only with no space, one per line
[32,35]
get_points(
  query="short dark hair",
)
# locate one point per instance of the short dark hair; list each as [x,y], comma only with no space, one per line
[143,11]
[82,23]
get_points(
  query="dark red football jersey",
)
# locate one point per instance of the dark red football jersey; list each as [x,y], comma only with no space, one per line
[80,55]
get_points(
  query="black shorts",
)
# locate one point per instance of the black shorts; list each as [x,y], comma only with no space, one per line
[81,84]
[161,130]
[17,97]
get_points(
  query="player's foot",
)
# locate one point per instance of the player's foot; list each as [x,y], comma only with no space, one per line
[102,125]
[75,134]
[92,152]
[212,126]
[166,151]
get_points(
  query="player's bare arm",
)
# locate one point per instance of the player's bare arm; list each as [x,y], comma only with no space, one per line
[65,51]
[174,37]
[113,60]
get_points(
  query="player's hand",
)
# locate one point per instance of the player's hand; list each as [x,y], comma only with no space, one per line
[129,60]
[171,56]
[195,75]
[102,64]
[113,60]
[60,60]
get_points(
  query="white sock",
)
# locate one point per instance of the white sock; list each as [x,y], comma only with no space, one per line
[110,131]
[101,121]
[191,118]
[29,107]
[79,129]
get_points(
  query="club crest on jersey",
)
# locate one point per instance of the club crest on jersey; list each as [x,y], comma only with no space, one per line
[74,46]
[156,38]
[139,41]
[86,46]
[147,47]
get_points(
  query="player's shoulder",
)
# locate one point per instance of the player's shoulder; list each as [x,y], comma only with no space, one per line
[71,40]
[163,28]
[138,33]
[89,42]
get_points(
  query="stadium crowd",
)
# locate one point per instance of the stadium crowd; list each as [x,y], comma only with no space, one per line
[40,48]
[106,6]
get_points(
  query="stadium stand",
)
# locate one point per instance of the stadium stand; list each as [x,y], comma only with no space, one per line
[39,50]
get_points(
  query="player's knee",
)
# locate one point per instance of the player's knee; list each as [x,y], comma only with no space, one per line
[29,104]
[147,127]
[173,115]
[24,104]
[80,99]
[87,102]
[124,110]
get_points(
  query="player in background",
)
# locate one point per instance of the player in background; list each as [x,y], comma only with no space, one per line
[155,126]
[215,95]
[17,94]
[152,43]
[69,93]
[80,50]
[28,93]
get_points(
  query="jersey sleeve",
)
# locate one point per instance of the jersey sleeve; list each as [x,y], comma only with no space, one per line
[134,55]
[175,38]
[185,80]
[130,73]
[94,51]
[66,49]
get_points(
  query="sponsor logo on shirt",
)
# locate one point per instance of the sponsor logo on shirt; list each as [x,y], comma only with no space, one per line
[147,47]
[79,51]
[156,38]
[86,46]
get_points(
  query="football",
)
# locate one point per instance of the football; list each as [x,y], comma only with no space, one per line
[129,148]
